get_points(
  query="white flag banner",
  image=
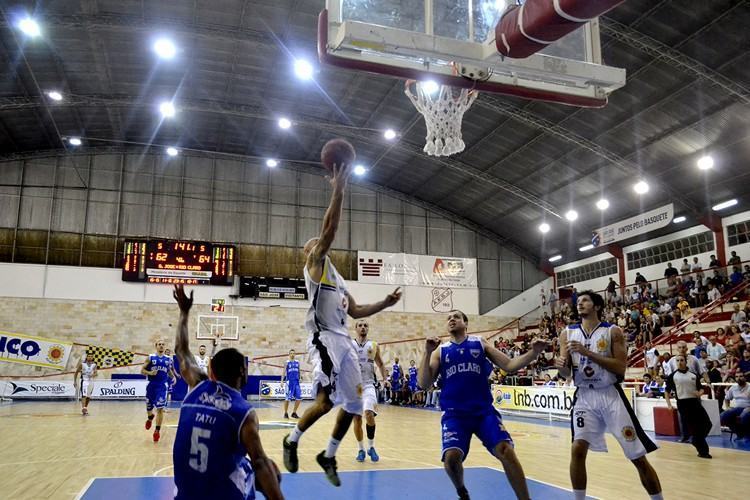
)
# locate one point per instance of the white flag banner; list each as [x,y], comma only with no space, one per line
[455,272]
[634,226]
[36,351]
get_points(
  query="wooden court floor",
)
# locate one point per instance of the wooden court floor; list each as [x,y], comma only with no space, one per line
[50,451]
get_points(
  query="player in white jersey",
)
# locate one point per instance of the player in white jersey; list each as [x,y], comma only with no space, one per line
[336,374]
[87,370]
[595,353]
[202,359]
[368,353]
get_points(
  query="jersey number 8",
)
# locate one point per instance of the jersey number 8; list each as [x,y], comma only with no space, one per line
[579,421]
[198,450]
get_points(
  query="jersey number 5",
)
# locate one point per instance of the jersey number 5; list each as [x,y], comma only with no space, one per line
[199,450]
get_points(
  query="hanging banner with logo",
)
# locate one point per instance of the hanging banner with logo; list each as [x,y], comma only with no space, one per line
[453,272]
[634,226]
[416,270]
[274,389]
[28,389]
[47,353]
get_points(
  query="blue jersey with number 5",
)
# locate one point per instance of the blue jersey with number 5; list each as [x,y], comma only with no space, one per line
[209,459]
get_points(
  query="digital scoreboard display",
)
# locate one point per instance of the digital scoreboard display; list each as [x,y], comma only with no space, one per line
[175,261]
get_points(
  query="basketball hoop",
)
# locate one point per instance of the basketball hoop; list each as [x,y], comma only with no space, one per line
[443,113]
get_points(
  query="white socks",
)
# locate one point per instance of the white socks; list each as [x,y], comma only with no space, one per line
[658,496]
[370,443]
[333,445]
[295,435]
[579,494]
[361,445]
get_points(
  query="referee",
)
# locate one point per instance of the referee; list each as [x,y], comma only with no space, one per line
[686,386]
[692,365]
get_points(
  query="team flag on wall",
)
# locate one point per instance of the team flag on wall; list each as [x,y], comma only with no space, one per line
[106,357]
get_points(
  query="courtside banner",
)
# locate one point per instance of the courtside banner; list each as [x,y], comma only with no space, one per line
[30,389]
[119,389]
[634,226]
[47,353]
[273,389]
[547,400]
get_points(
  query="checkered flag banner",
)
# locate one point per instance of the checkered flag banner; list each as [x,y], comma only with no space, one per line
[106,357]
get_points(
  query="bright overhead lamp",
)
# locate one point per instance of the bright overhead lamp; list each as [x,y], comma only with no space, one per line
[679,219]
[284,123]
[54,95]
[571,215]
[303,69]
[544,227]
[602,204]
[172,151]
[430,86]
[167,109]
[389,134]
[271,163]
[705,163]
[74,141]
[586,248]
[360,170]
[555,258]
[29,27]
[165,48]
[725,204]
[641,187]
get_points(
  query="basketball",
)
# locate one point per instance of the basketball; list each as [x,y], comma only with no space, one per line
[336,152]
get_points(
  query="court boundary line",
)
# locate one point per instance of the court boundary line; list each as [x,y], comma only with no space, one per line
[544,482]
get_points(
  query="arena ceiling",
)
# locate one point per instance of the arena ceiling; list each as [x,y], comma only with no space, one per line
[687,95]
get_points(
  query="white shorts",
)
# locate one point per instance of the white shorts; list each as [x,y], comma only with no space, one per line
[370,399]
[335,365]
[598,410]
[87,388]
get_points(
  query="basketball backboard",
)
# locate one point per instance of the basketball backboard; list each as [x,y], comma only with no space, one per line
[427,39]
[216,326]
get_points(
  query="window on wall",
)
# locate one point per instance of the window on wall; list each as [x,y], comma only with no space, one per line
[672,250]
[739,233]
[598,269]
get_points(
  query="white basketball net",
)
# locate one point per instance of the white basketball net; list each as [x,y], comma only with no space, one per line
[443,112]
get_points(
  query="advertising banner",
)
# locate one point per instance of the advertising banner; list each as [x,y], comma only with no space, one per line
[119,389]
[546,400]
[634,226]
[273,389]
[29,389]
[452,272]
[416,270]
[47,353]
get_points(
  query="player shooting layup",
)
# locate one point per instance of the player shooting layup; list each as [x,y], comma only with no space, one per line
[596,353]
[336,374]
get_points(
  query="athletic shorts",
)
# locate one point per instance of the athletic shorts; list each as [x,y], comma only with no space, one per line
[487,425]
[87,388]
[396,386]
[156,395]
[413,387]
[370,399]
[293,391]
[336,367]
[596,411]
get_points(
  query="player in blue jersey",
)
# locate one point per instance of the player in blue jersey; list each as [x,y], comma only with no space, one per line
[396,376]
[595,354]
[158,369]
[218,428]
[293,390]
[413,385]
[466,399]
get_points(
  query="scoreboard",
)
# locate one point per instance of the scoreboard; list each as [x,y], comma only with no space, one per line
[176,261]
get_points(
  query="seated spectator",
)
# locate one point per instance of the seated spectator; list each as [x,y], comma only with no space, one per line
[738,417]
[736,277]
[695,296]
[702,359]
[734,335]
[548,382]
[715,350]
[650,387]
[718,280]
[734,260]
[746,272]
[699,348]
[743,365]
[745,334]
[713,292]
[714,262]
[683,307]
[721,336]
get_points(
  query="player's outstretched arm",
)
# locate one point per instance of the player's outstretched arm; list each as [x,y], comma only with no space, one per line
[265,472]
[615,364]
[188,366]
[429,367]
[563,363]
[515,364]
[357,311]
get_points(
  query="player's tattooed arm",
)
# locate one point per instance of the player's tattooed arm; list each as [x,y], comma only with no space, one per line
[364,310]
[429,367]
[265,472]
[188,365]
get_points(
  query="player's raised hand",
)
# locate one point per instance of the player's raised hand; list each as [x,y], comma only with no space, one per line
[432,343]
[393,298]
[340,175]
[183,300]
[560,363]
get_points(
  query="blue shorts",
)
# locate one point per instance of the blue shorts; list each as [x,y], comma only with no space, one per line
[487,425]
[396,386]
[413,387]
[293,391]
[156,395]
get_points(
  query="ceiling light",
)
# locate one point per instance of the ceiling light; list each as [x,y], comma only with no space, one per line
[679,219]
[167,109]
[641,187]
[544,227]
[389,134]
[285,123]
[430,86]
[555,258]
[29,27]
[705,163]
[571,215]
[54,95]
[602,204]
[359,170]
[165,48]
[172,151]
[271,163]
[303,69]
[725,204]
[586,248]
[74,141]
